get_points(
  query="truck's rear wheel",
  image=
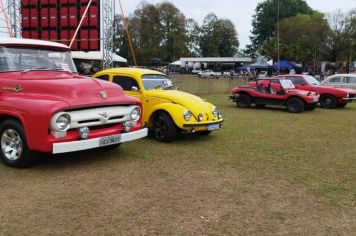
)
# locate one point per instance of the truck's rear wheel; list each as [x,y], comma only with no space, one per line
[14,149]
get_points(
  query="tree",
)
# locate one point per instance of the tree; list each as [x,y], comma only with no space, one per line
[194,34]
[342,36]
[219,37]
[266,17]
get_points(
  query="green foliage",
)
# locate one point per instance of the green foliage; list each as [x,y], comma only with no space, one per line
[219,37]
[266,17]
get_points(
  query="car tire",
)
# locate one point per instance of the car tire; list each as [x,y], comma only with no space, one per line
[310,107]
[328,101]
[295,105]
[164,129]
[341,105]
[244,101]
[14,149]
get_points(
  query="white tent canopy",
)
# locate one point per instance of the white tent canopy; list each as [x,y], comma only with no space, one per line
[176,63]
[95,55]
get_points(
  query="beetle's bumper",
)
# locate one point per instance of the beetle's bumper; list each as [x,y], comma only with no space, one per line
[204,126]
[98,142]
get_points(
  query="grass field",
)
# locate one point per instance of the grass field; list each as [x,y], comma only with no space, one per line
[267,172]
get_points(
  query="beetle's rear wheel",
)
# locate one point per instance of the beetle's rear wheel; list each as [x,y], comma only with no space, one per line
[14,149]
[164,128]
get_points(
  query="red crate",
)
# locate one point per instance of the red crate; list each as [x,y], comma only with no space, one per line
[26,34]
[72,1]
[25,18]
[44,2]
[34,35]
[53,36]
[93,16]
[84,44]
[45,35]
[64,17]
[52,1]
[44,17]
[33,2]
[85,20]
[33,17]
[64,37]
[53,17]
[25,3]
[93,40]
[73,22]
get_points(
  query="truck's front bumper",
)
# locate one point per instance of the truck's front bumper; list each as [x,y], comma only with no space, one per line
[95,142]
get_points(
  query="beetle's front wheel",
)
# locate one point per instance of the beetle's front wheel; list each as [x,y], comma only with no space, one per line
[14,149]
[164,128]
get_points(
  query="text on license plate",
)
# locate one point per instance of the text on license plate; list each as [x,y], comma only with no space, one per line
[109,140]
[213,126]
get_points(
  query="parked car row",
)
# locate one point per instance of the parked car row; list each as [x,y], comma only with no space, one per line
[296,92]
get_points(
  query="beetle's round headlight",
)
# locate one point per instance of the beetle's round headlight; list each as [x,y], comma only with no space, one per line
[187,115]
[135,114]
[200,117]
[63,122]
[215,112]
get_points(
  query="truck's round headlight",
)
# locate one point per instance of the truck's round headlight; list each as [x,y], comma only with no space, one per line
[135,114]
[187,115]
[63,122]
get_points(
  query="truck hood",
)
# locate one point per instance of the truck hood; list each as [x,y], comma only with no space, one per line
[77,91]
[193,103]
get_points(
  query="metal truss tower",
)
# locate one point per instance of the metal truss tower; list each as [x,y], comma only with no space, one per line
[108,33]
[14,10]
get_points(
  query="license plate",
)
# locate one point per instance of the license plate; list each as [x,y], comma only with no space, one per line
[109,140]
[213,126]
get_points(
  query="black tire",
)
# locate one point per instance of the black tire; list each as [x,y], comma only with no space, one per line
[341,105]
[244,101]
[164,129]
[328,102]
[14,149]
[295,105]
[310,107]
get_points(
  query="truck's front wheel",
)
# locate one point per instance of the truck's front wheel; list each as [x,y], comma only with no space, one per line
[14,149]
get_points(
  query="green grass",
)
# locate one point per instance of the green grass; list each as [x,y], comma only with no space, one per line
[266,172]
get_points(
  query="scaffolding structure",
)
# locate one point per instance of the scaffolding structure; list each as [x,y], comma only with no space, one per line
[108,6]
[14,11]
[108,33]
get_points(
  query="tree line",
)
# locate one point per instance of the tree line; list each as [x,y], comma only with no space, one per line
[161,31]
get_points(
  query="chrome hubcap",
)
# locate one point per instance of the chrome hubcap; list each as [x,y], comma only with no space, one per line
[11,144]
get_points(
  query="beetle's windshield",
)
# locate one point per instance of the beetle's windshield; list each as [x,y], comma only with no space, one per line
[311,80]
[157,81]
[25,59]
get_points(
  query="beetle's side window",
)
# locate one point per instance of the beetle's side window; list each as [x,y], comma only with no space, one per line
[104,77]
[126,83]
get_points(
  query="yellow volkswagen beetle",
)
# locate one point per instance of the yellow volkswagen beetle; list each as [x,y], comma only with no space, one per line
[166,110]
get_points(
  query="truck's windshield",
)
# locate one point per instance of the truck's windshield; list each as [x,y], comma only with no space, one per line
[24,59]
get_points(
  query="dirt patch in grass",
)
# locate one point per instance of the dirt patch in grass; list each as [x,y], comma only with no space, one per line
[267,172]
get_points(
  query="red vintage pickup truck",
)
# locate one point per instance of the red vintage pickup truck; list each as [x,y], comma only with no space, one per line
[46,106]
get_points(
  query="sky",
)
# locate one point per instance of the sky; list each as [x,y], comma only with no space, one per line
[240,12]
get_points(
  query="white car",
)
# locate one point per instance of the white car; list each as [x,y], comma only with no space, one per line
[341,80]
[209,73]
[196,71]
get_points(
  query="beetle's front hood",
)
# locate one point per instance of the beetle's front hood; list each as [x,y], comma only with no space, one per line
[193,103]
[77,91]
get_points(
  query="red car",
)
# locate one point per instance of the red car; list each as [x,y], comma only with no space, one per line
[46,106]
[278,92]
[330,97]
